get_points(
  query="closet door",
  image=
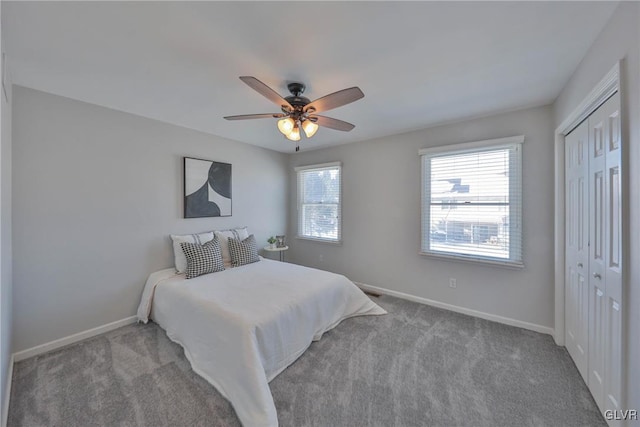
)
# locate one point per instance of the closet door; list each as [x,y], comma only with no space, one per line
[577,238]
[597,289]
[604,254]
[613,256]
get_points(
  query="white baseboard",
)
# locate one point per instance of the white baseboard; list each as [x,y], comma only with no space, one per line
[457,309]
[52,345]
[7,393]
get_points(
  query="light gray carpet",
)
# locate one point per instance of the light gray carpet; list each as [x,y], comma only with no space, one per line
[416,366]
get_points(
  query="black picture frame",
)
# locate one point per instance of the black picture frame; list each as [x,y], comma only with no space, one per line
[207,188]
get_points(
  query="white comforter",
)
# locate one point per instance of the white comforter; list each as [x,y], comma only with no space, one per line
[243,326]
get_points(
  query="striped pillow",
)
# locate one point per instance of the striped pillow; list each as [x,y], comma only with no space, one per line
[202,259]
[243,251]
[223,236]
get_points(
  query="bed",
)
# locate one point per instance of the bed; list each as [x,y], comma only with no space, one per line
[242,326]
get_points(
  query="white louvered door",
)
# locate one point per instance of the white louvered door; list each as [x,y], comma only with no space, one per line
[594,276]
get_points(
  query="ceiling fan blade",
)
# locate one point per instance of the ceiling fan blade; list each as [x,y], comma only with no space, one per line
[328,122]
[335,100]
[266,91]
[256,116]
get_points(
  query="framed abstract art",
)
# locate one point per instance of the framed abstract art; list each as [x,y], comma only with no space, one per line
[207,188]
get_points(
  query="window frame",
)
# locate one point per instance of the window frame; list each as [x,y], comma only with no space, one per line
[515,203]
[299,204]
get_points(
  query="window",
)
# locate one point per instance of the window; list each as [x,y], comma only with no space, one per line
[471,201]
[319,202]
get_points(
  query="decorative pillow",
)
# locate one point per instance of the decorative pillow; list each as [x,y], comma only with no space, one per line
[178,253]
[202,259]
[224,235]
[243,251]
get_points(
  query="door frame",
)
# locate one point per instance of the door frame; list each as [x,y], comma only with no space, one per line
[609,84]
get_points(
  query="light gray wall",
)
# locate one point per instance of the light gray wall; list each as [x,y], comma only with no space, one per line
[620,39]
[381,220]
[5,245]
[5,237]
[96,193]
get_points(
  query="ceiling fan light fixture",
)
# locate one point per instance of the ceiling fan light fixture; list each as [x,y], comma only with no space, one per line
[294,135]
[298,111]
[286,125]
[309,128]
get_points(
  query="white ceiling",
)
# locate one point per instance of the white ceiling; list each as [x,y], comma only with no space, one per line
[418,63]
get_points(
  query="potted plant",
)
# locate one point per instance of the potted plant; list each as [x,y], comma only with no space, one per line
[272,242]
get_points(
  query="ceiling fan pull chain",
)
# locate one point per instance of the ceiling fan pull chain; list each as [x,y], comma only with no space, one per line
[297,147]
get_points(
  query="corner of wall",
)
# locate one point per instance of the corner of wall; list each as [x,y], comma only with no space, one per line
[6,286]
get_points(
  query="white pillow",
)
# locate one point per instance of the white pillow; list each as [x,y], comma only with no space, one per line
[178,253]
[223,236]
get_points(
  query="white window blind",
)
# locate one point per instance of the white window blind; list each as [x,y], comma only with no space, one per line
[319,202]
[472,201]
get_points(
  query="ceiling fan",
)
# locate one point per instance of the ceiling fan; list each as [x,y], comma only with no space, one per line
[298,112]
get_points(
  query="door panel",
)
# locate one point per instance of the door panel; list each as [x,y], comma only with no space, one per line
[597,343]
[597,217]
[605,256]
[613,246]
[577,257]
[597,284]
[613,377]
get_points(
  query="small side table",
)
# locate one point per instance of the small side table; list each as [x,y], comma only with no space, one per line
[280,250]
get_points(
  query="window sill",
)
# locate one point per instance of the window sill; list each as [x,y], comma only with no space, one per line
[315,239]
[473,260]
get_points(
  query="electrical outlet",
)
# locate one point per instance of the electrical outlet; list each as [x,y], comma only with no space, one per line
[321,257]
[452,282]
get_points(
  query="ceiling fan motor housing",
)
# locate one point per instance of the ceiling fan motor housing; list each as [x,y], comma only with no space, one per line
[297,102]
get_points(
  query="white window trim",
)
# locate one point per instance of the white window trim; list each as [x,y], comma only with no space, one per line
[299,203]
[318,166]
[515,219]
